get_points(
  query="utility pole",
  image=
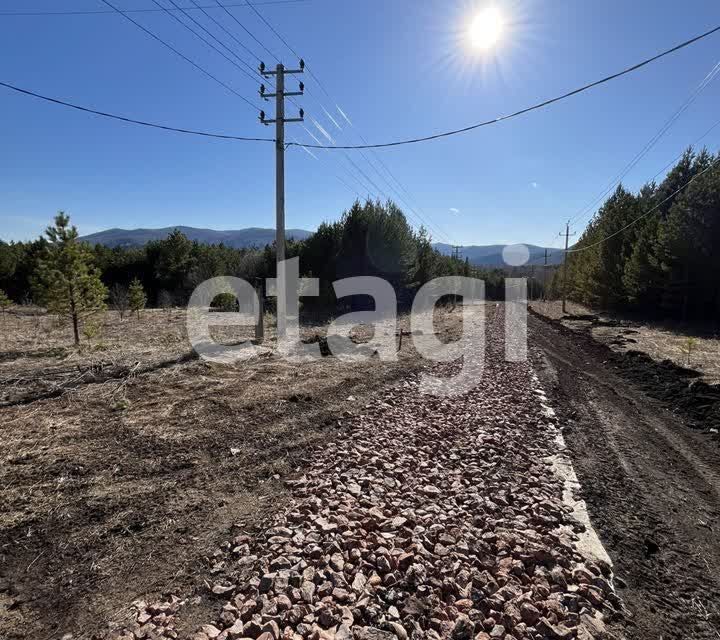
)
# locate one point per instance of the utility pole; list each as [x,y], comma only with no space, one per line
[532,281]
[456,256]
[544,297]
[564,292]
[280,120]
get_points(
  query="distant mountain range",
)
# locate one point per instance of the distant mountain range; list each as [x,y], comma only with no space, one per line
[484,255]
[239,239]
[490,255]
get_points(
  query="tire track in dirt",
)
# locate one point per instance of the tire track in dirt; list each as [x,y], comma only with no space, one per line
[651,484]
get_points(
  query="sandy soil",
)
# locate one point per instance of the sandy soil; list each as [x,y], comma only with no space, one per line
[123,481]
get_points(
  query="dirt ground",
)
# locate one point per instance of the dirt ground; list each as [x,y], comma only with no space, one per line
[650,478]
[125,462]
[660,340]
[128,461]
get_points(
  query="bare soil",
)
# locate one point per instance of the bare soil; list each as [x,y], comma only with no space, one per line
[649,475]
[668,340]
[127,461]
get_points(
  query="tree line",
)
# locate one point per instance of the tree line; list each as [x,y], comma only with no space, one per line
[668,262]
[74,279]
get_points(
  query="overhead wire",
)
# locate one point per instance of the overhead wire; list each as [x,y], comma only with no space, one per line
[107,11]
[250,74]
[352,162]
[244,28]
[709,77]
[105,114]
[227,31]
[674,161]
[539,105]
[178,53]
[589,208]
[410,207]
[294,141]
[712,165]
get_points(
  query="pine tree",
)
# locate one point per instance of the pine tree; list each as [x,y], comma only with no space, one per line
[65,279]
[138,299]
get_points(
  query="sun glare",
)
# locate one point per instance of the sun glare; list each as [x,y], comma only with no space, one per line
[486,28]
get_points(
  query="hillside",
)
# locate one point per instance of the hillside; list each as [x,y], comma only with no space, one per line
[480,255]
[238,239]
[491,255]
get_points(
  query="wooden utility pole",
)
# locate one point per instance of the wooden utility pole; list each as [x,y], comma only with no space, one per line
[456,256]
[564,286]
[532,281]
[259,325]
[544,296]
[280,120]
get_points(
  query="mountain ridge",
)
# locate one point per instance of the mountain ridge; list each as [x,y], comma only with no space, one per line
[491,255]
[478,255]
[235,238]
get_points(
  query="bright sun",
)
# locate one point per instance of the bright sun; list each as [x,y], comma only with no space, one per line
[486,28]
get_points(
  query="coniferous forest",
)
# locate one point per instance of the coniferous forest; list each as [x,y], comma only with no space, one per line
[667,264]
[370,239]
[656,252]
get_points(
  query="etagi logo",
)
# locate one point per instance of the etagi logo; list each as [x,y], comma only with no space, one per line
[468,351]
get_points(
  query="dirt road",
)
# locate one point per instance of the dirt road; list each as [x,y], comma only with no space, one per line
[651,482]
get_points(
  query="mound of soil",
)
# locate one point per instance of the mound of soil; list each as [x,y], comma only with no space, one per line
[678,386]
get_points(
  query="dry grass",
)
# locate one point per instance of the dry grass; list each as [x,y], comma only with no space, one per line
[661,341]
[118,487]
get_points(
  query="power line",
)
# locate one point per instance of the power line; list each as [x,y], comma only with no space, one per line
[674,160]
[246,30]
[410,208]
[650,144]
[143,123]
[363,186]
[293,100]
[537,106]
[287,44]
[106,11]
[657,206]
[219,24]
[709,77]
[647,213]
[182,55]
[209,44]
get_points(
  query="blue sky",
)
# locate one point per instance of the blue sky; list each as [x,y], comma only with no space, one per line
[398,68]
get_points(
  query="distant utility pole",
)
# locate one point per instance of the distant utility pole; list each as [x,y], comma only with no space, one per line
[280,120]
[565,255]
[544,296]
[532,281]
[456,256]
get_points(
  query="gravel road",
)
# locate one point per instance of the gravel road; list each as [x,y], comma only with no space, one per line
[425,518]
